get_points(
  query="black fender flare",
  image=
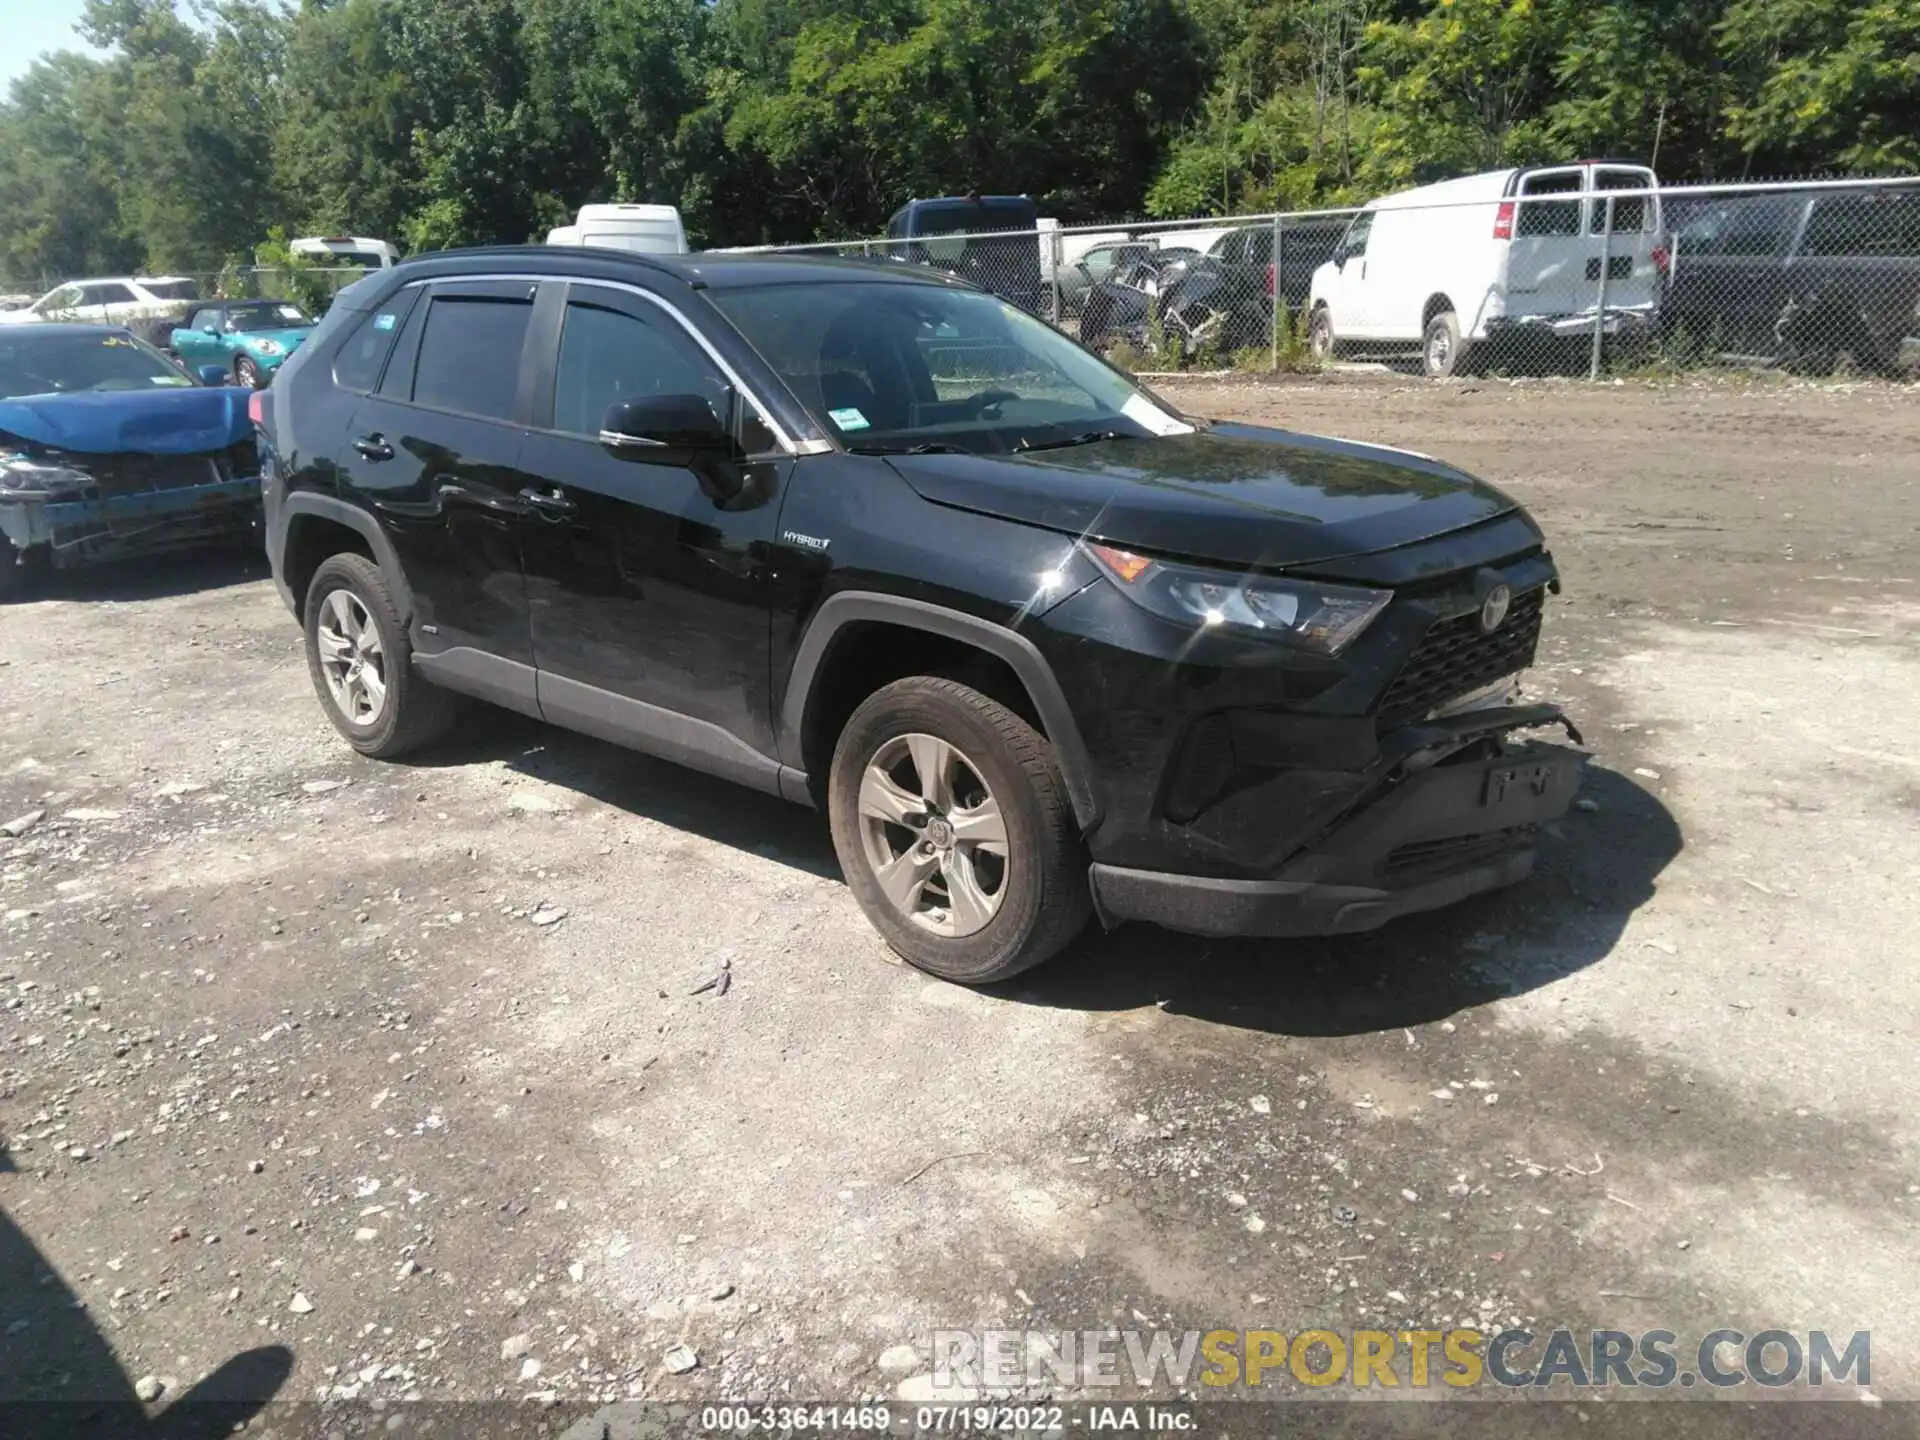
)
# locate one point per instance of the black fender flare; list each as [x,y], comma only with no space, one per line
[1021,655]
[329,507]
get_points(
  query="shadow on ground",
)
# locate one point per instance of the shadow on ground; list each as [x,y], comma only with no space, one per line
[1416,970]
[151,577]
[1601,868]
[59,1376]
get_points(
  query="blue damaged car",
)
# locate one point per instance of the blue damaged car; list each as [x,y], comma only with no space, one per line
[110,449]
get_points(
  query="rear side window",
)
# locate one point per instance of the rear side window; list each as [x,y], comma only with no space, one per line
[1886,223]
[357,366]
[1550,217]
[470,354]
[607,356]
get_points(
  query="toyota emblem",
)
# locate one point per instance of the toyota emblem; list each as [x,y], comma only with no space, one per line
[1493,609]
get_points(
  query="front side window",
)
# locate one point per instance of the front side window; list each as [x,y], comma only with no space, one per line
[607,356]
[106,295]
[1357,233]
[39,364]
[902,366]
[204,320]
[470,354]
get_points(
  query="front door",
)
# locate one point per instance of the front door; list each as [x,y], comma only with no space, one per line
[434,453]
[1348,298]
[649,597]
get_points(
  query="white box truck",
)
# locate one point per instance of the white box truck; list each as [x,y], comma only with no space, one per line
[648,229]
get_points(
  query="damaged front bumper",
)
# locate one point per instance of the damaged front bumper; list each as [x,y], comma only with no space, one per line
[129,511]
[1459,813]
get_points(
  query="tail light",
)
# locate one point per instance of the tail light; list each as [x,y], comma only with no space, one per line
[257,407]
[1269,279]
[1503,221]
[1662,259]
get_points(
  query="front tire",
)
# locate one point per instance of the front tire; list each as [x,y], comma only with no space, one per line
[1442,351]
[362,663]
[246,373]
[952,823]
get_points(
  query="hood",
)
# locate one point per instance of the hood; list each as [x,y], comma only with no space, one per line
[1239,494]
[151,422]
[286,339]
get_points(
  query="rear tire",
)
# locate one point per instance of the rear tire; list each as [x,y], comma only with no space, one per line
[974,871]
[369,690]
[1442,351]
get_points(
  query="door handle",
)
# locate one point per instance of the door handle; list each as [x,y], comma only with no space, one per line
[552,503]
[374,447]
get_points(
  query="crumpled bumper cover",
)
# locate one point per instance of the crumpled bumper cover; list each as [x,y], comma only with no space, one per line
[60,518]
[1432,837]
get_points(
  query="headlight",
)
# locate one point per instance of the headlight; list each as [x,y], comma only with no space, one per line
[1317,616]
[269,347]
[20,475]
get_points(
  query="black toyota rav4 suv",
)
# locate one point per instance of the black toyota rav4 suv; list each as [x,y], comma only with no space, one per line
[870,539]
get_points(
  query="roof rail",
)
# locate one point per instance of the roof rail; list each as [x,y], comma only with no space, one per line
[637,257]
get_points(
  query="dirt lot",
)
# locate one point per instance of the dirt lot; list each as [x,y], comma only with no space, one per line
[292,1070]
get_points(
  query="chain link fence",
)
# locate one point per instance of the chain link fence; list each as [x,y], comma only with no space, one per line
[1578,271]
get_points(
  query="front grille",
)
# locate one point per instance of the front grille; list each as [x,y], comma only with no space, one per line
[117,475]
[1457,851]
[1454,657]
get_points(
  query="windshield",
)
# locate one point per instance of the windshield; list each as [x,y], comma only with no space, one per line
[37,364]
[172,289]
[904,367]
[267,315]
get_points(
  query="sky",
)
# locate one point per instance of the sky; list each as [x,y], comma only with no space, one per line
[32,26]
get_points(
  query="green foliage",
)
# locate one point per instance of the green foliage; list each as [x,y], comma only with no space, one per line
[446,122]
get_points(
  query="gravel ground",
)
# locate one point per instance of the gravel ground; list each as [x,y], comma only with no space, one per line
[380,1081]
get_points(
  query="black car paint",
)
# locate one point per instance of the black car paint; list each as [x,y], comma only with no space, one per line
[652,614]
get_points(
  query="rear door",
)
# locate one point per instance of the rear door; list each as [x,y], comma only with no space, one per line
[1547,256]
[433,453]
[1633,277]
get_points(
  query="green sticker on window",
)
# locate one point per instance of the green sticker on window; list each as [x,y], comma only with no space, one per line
[848,418]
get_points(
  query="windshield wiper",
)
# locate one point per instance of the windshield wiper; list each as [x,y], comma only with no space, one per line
[1088,437]
[931,447]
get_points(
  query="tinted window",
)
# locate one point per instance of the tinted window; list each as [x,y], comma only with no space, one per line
[173,289]
[107,295]
[1632,214]
[1885,223]
[1753,225]
[357,366]
[608,356]
[1550,217]
[470,355]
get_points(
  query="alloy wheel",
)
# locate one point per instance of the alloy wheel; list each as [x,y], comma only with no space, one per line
[352,658]
[934,835]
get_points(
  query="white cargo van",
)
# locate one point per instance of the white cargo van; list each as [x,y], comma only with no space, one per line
[649,229]
[348,250]
[1451,266]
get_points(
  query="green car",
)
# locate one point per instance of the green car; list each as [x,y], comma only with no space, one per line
[247,338]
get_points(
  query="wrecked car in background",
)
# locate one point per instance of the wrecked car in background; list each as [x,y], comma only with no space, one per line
[109,449]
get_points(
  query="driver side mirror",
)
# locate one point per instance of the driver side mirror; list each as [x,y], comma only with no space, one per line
[665,430]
